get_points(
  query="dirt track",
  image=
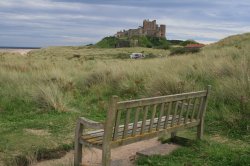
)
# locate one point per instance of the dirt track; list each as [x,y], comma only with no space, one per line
[122,156]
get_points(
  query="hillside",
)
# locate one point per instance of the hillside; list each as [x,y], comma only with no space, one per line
[234,41]
[136,41]
[43,93]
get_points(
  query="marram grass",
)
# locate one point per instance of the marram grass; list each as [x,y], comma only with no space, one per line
[49,88]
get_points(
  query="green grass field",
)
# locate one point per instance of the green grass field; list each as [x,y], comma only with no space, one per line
[43,93]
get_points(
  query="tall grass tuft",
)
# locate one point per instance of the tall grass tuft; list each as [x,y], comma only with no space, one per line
[50,97]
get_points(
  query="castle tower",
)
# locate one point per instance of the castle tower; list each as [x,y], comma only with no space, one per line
[162,30]
[149,25]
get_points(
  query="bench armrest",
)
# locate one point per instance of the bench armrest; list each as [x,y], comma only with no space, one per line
[87,123]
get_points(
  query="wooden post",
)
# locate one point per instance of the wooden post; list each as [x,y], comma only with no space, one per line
[108,131]
[78,145]
[200,127]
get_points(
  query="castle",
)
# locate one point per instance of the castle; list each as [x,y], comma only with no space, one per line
[149,28]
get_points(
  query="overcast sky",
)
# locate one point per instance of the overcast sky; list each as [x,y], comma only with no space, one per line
[41,23]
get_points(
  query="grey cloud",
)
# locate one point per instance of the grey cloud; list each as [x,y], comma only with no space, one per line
[78,22]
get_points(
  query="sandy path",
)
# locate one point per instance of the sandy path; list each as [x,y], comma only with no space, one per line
[121,156]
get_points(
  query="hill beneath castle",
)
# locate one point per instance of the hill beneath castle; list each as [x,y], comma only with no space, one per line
[141,41]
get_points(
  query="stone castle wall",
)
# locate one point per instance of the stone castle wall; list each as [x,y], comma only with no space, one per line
[149,28]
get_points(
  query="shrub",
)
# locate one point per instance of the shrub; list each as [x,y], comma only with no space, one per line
[184,43]
[183,50]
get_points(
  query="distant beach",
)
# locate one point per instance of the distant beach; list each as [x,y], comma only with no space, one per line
[20,50]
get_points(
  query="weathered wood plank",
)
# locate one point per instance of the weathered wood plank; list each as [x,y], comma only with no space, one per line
[200,128]
[78,144]
[127,121]
[117,123]
[158,100]
[145,114]
[168,114]
[136,120]
[180,114]
[194,109]
[160,116]
[175,112]
[108,131]
[152,118]
[87,123]
[200,108]
[187,110]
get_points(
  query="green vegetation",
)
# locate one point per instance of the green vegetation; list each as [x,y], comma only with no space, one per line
[153,42]
[201,153]
[43,93]
[141,41]
[181,42]
[108,42]
[183,50]
[145,41]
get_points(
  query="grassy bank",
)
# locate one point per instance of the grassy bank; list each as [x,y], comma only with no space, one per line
[208,152]
[43,93]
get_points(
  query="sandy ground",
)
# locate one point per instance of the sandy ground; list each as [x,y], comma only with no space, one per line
[121,156]
[20,51]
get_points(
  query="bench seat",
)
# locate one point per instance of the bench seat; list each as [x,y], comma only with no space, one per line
[95,138]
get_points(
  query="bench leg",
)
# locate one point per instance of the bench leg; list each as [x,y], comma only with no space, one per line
[106,156]
[78,154]
[78,145]
[200,129]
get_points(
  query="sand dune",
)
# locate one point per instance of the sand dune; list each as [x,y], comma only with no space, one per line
[20,51]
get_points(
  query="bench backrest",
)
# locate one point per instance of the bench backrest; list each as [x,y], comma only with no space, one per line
[142,117]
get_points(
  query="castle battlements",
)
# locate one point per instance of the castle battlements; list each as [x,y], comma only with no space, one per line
[149,28]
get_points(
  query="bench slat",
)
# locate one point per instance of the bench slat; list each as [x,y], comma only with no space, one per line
[175,112]
[200,108]
[180,114]
[144,119]
[160,116]
[159,100]
[193,110]
[136,120]
[126,123]
[168,114]
[152,118]
[117,123]
[187,110]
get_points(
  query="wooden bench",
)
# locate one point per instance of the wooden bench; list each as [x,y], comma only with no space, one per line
[135,120]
